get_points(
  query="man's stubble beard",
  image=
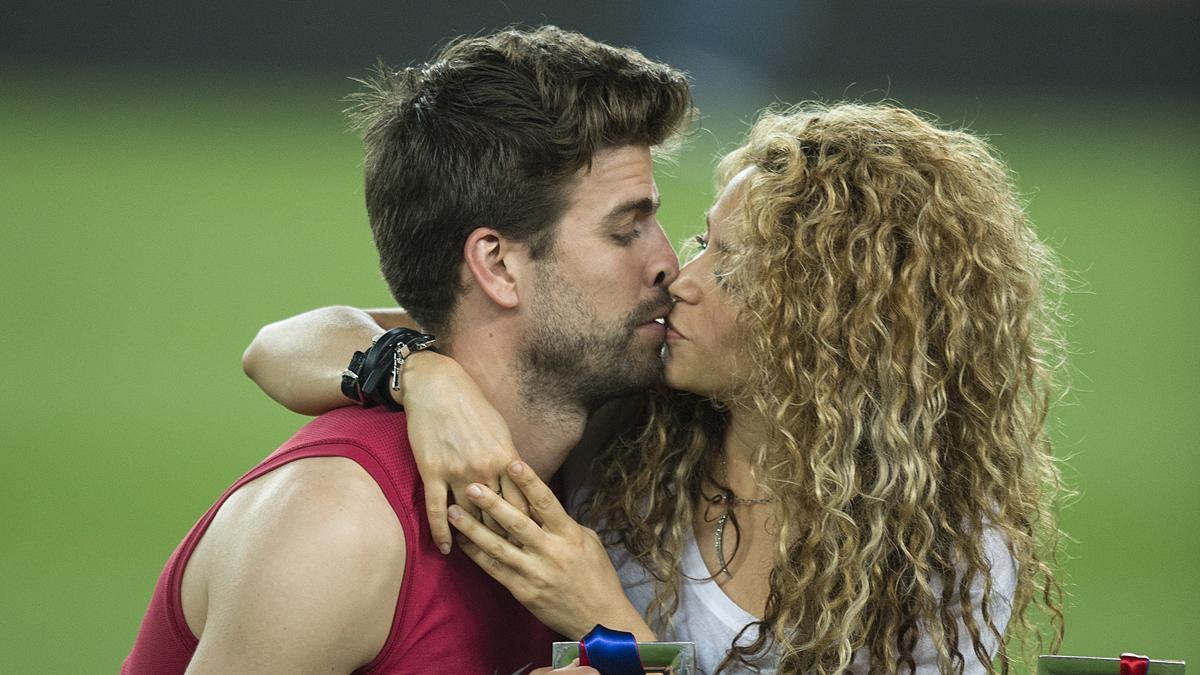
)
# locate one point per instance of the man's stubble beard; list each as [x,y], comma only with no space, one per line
[570,357]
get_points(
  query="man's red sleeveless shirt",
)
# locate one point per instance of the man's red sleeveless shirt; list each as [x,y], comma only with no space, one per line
[450,616]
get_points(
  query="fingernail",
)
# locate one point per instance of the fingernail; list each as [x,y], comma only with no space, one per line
[517,467]
[444,548]
[455,512]
[473,490]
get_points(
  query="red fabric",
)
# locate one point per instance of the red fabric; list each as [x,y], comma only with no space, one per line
[450,616]
[1134,664]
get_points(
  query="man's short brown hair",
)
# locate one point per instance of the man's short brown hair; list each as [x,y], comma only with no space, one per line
[491,134]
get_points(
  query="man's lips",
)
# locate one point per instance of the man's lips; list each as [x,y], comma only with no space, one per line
[656,321]
[655,325]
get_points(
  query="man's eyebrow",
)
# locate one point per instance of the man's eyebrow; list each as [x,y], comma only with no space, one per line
[645,206]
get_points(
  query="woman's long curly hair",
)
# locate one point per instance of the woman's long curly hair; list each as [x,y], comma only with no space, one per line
[903,322]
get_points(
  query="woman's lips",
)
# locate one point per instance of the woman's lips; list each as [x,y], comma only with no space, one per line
[673,333]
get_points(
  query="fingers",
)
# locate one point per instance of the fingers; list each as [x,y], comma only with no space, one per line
[487,519]
[542,502]
[495,569]
[513,522]
[435,510]
[460,498]
[513,495]
[486,543]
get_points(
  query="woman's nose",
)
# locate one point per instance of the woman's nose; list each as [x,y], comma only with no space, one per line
[684,287]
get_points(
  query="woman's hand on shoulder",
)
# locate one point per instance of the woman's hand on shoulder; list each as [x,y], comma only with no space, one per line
[457,437]
[558,569]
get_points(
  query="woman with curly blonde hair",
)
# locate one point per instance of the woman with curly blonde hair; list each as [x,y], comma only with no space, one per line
[852,474]
[869,334]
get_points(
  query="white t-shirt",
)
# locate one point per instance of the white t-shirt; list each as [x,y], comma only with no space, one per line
[712,620]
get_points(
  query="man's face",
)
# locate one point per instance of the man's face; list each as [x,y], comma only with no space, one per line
[594,330]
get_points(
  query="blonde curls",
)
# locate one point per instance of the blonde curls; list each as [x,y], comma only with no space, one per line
[902,318]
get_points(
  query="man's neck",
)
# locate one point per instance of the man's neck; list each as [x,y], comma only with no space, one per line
[543,432]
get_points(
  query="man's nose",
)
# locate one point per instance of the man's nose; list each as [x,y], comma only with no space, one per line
[664,267]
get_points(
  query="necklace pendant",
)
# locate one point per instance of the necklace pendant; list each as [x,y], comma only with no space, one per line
[719,543]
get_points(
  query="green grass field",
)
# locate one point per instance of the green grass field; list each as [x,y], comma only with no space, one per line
[152,222]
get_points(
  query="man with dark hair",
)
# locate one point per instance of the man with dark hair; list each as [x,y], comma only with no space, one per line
[510,193]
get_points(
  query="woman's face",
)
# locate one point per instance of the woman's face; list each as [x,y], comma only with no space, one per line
[703,353]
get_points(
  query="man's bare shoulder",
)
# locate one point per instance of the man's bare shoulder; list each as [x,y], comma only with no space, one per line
[307,559]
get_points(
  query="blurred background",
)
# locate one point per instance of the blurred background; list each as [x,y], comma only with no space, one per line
[174,175]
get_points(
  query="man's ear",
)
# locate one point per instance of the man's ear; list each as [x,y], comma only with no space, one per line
[496,263]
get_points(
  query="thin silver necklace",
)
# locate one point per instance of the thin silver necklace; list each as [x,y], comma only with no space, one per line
[729,500]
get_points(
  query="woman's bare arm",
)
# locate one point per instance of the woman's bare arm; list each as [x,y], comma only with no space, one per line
[299,361]
[457,436]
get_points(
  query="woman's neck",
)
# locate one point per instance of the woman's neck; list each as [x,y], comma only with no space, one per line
[744,436]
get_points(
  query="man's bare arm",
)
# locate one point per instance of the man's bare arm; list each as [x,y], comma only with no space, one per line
[299,361]
[298,573]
